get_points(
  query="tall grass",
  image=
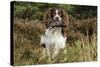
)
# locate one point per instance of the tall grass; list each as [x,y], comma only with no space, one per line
[79,47]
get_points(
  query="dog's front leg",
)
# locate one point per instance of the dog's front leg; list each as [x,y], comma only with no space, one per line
[55,52]
[48,52]
[44,52]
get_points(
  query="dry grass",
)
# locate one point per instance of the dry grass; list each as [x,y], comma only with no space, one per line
[28,51]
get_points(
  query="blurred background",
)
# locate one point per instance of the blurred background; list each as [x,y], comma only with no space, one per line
[81,42]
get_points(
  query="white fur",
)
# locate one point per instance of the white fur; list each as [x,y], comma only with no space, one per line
[53,40]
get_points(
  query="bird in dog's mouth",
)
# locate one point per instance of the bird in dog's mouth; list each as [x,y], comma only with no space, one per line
[56,23]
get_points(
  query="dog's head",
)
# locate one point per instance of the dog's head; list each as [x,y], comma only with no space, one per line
[55,17]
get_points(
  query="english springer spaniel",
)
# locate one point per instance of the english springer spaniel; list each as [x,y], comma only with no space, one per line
[54,38]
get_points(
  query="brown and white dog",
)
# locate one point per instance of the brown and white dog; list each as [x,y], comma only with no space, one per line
[56,22]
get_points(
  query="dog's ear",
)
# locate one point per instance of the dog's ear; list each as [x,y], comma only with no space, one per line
[47,17]
[65,18]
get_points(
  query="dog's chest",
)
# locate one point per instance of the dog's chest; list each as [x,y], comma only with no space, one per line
[54,37]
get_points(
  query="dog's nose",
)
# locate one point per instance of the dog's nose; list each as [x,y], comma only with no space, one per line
[57,18]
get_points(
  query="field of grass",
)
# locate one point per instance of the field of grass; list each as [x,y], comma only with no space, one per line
[80,47]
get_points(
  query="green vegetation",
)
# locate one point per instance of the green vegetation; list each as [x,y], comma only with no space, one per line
[32,10]
[81,42]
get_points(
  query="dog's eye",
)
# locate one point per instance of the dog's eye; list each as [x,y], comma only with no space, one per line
[54,14]
[59,13]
